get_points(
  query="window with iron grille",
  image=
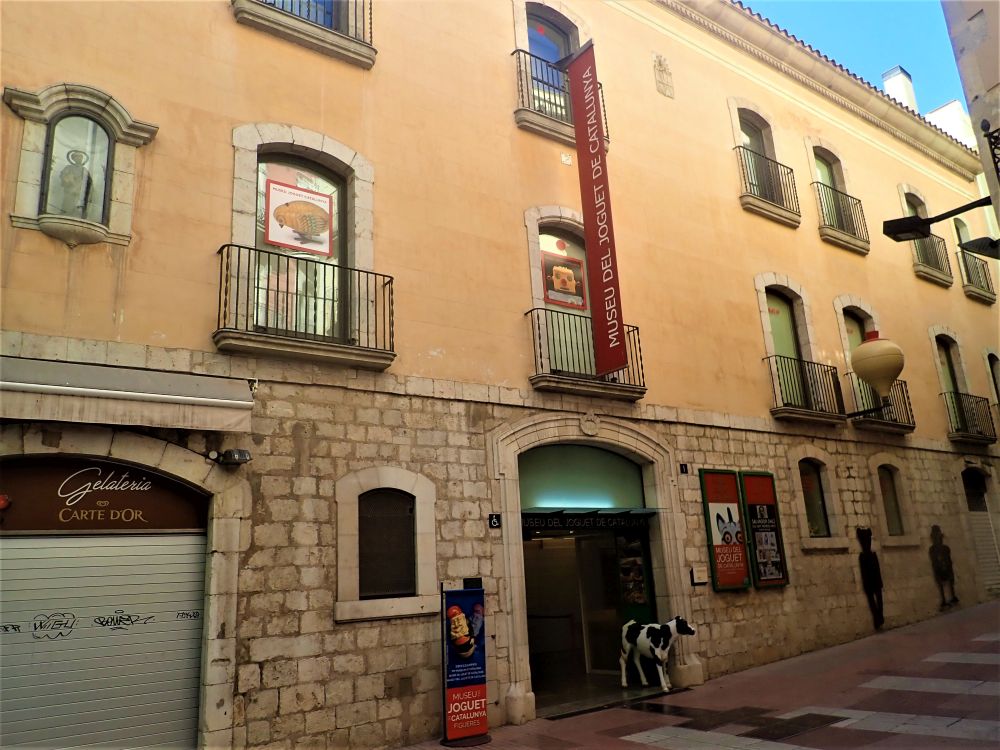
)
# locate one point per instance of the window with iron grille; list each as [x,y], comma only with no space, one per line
[386,544]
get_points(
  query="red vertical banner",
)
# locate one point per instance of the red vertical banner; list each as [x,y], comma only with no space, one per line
[610,352]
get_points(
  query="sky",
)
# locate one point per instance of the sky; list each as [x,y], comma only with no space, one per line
[868,37]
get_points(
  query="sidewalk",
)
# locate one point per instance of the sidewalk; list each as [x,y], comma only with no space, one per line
[935,684]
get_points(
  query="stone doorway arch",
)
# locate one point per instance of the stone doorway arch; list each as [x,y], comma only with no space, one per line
[667,530]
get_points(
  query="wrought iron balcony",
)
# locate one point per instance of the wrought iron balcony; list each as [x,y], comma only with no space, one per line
[351,18]
[932,260]
[288,305]
[897,417]
[804,390]
[768,187]
[976,280]
[841,218]
[969,418]
[564,358]
[543,89]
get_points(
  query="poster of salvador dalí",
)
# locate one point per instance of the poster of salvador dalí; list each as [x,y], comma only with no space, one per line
[727,550]
[464,649]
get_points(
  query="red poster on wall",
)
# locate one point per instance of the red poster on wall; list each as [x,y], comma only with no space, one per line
[720,492]
[610,352]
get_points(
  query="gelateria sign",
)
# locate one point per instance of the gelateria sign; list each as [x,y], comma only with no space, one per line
[74,494]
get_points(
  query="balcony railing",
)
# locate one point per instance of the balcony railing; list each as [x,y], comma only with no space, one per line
[564,357]
[270,300]
[767,179]
[969,418]
[931,252]
[841,211]
[896,417]
[976,276]
[543,88]
[351,18]
[805,390]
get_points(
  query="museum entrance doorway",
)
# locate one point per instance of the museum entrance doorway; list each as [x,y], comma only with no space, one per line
[581,587]
[587,570]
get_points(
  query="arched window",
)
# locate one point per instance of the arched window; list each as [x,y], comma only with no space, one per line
[835,208]
[78,155]
[387,565]
[890,500]
[915,206]
[788,366]
[548,38]
[567,302]
[79,147]
[811,476]
[993,362]
[300,215]
[949,370]
[760,173]
[962,231]
[947,364]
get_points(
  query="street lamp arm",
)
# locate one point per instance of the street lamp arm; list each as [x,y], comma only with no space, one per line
[982,202]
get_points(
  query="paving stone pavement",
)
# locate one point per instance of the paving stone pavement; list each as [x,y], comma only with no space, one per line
[932,685]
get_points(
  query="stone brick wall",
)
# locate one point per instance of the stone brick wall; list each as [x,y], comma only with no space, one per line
[301,679]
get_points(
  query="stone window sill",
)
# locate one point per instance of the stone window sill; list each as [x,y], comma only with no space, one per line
[586,387]
[247,342]
[979,294]
[901,540]
[825,544]
[757,205]
[557,130]
[929,273]
[384,609]
[70,230]
[298,31]
[844,239]
[798,414]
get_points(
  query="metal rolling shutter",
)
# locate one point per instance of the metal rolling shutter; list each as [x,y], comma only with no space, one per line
[101,641]
[987,558]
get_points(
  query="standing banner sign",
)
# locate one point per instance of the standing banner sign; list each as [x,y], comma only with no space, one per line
[610,352]
[760,503]
[720,493]
[464,630]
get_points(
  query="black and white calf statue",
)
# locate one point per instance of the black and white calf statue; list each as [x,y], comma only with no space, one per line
[653,641]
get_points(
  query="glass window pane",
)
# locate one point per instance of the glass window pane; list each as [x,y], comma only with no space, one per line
[78,169]
[546,40]
[387,544]
[812,491]
[890,500]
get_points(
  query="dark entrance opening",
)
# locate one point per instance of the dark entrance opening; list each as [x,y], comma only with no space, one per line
[586,574]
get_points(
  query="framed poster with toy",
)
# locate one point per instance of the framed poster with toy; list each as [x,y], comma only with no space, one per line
[727,552]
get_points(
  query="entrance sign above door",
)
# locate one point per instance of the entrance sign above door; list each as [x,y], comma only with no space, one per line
[584,520]
[720,493]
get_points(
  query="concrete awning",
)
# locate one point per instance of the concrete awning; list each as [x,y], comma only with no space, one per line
[40,389]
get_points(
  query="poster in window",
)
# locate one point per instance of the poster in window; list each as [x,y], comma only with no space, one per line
[720,492]
[767,550]
[298,219]
[564,283]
